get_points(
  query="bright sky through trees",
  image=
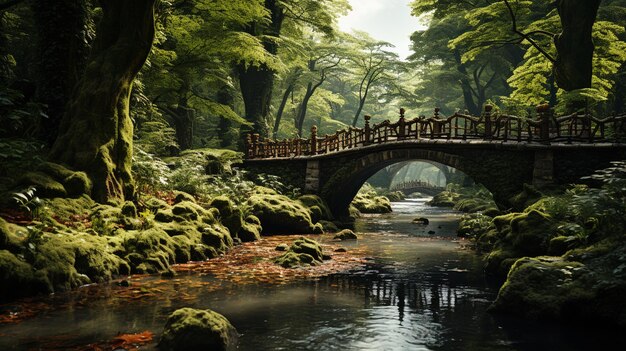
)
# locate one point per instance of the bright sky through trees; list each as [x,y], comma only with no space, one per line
[388,20]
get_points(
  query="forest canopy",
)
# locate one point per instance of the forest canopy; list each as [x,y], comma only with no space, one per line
[166,76]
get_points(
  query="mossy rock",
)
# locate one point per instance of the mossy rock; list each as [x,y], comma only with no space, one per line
[528,196]
[249,232]
[444,199]
[46,186]
[281,215]
[188,210]
[164,216]
[559,245]
[329,226]
[55,170]
[129,209]
[192,329]
[544,288]
[230,216]
[19,278]
[4,234]
[318,207]
[183,196]
[395,196]
[282,247]
[154,204]
[346,234]
[78,184]
[371,204]
[500,261]
[303,252]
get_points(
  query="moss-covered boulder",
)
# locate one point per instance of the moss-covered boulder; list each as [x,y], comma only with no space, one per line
[74,183]
[445,199]
[302,252]
[191,329]
[4,234]
[367,203]
[281,215]
[129,209]
[329,226]
[19,278]
[346,234]
[229,215]
[47,187]
[318,207]
[181,196]
[543,288]
[250,230]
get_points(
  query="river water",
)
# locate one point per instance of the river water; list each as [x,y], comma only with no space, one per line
[419,289]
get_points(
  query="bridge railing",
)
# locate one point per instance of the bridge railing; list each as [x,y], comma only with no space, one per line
[415,184]
[545,128]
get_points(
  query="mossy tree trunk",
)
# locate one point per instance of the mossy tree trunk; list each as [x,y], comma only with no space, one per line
[257,82]
[96,132]
[573,67]
[226,96]
[63,39]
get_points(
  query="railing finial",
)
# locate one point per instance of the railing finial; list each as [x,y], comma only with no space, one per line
[437,109]
[402,111]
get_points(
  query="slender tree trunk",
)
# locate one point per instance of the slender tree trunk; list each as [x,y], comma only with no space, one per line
[63,47]
[573,68]
[281,108]
[226,97]
[96,133]
[359,110]
[466,86]
[184,123]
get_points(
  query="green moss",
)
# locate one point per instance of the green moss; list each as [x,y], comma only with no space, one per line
[164,216]
[250,230]
[444,199]
[191,329]
[302,252]
[367,203]
[346,234]
[129,209]
[188,210]
[318,207]
[230,216]
[329,226]
[19,278]
[4,234]
[46,186]
[154,204]
[183,196]
[499,262]
[77,184]
[281,215]
[55,170]
[543,288]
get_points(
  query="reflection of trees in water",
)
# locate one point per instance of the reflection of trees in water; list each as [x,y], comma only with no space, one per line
[451,306]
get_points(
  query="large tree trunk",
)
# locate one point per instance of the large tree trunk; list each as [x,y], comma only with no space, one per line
[96,134]
[63,47]
[257,82]
[574,66]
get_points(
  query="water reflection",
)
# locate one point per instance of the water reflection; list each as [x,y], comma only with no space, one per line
[418,291]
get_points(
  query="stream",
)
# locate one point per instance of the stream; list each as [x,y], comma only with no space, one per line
[416,291]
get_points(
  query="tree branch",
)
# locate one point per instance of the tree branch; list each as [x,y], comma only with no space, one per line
[526,36]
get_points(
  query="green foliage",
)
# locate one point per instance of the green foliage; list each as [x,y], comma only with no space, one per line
[27,201]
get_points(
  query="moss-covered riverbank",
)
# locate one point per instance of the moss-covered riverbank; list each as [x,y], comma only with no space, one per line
[193,207]
[563,257]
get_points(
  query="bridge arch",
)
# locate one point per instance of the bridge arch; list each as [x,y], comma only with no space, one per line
[342,186]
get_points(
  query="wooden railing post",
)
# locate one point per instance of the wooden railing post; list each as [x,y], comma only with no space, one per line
[488,122]
[248,145]
[314,140]
[401,125]
[367,130]
[255,144]
[543,111]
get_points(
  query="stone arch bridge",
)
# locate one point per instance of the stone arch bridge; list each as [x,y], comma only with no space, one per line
[500,152]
